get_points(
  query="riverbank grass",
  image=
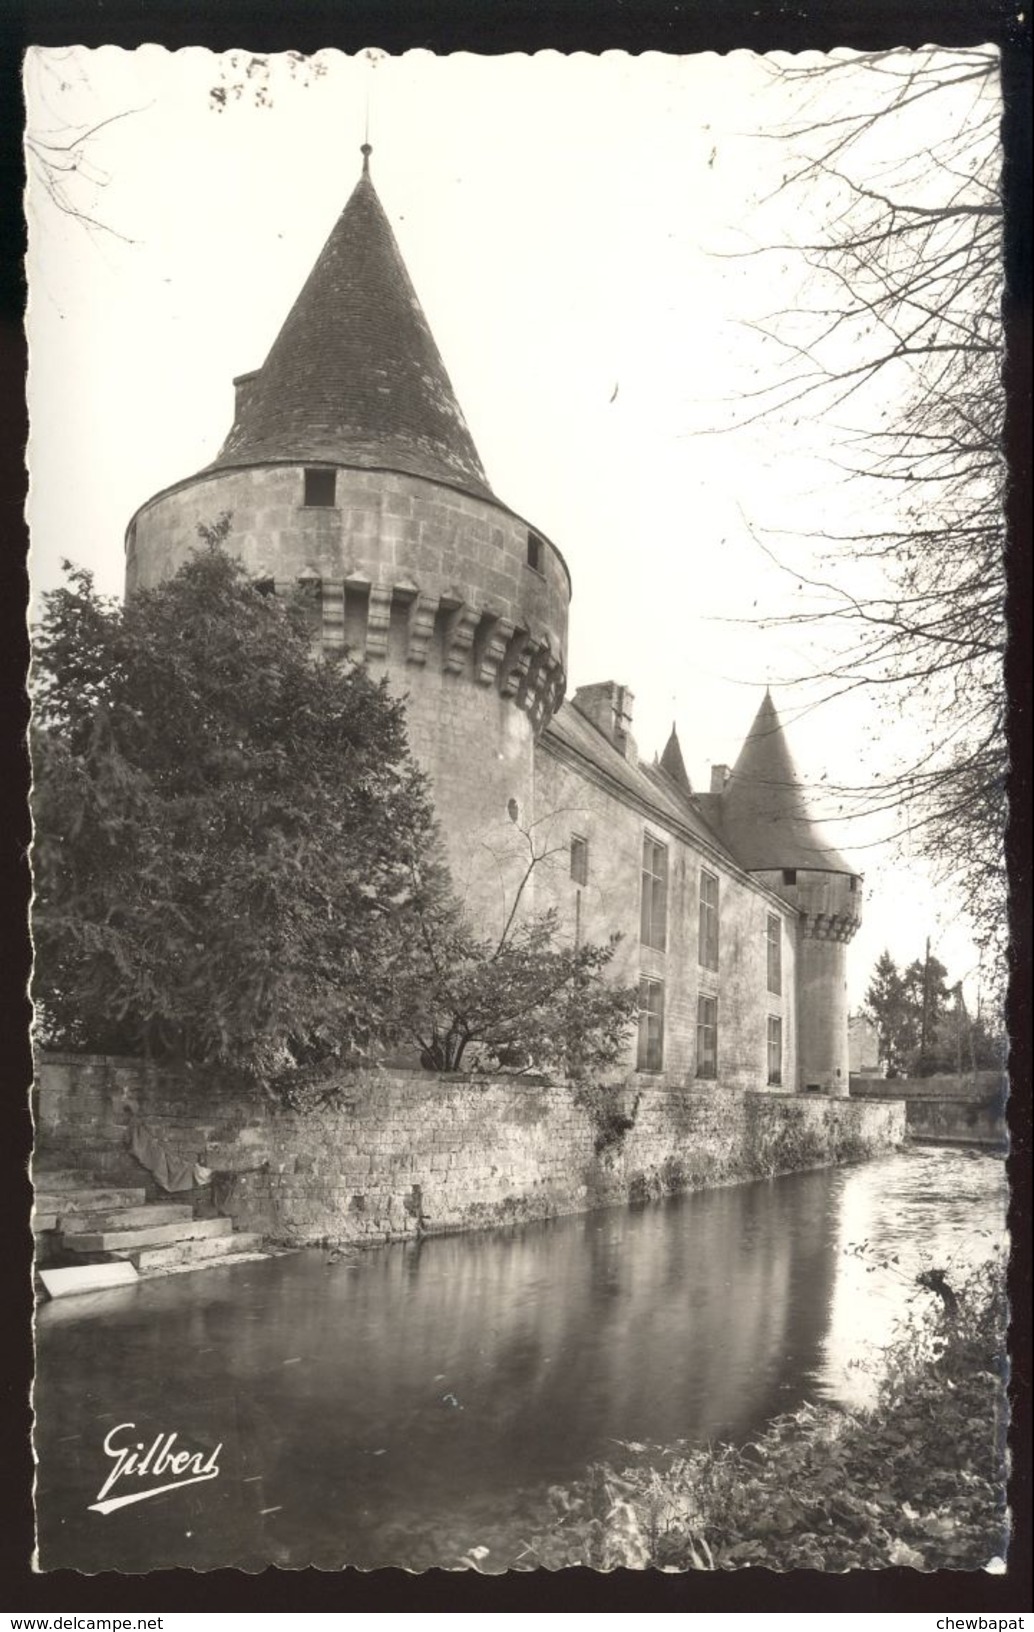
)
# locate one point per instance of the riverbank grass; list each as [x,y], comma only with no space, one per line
[916,1480]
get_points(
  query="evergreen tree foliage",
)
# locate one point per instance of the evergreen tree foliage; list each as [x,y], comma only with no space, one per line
[228,833]
[949,1041]
[887,1007]
[928,995]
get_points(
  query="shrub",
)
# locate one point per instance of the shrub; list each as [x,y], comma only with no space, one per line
[918,1480]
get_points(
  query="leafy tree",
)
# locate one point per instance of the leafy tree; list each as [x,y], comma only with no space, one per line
[229,834]
[522,1001]
[897,344]
[235,857]
[961,1042]
[250,77]
[985,1046]
[526,1003]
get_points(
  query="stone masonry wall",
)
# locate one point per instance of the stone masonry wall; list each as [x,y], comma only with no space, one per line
[967,1109]
[410,1154]
[385,527]
[566,803]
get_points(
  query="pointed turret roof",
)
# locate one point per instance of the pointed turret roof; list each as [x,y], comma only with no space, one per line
[765,818]
[673,763]
[354,377]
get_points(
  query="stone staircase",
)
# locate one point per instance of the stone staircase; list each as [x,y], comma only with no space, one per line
[82,1219]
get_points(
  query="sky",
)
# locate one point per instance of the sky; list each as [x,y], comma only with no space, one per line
[587,236]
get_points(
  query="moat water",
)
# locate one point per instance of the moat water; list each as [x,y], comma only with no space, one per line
[402,1405]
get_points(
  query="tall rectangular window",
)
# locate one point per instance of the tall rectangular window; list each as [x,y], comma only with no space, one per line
[707,1036]
[774,941]
[775,1050]
[579,859]
[650,1055]
[654,915]
[707,951]
[320,487]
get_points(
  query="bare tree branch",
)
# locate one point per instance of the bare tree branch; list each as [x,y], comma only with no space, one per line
[900,326]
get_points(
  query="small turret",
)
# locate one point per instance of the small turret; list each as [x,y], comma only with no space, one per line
[765,821]
[673,764]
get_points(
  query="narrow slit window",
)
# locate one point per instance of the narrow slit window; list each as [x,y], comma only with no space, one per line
[650,1055]
[320,489]
[535,552]
[579,859]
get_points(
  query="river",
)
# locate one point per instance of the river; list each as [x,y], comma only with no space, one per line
[404,1404]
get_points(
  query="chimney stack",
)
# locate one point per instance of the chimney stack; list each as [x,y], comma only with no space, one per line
[609,707]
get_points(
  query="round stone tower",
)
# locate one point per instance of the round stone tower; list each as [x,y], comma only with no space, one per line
[350,469]
[767,825]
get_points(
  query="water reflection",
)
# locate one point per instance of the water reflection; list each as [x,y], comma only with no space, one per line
[931,1207]
[402,1405]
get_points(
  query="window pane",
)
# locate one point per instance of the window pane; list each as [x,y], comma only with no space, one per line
[650,1055]
[646,911]
[579,859]
[775,970]
[654,912]
[775,1050]
[707,949]
[320,487]
[707,1036]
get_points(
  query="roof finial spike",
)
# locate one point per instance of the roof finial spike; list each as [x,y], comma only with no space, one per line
[373,57]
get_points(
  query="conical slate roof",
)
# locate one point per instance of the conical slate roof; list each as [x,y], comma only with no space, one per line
[354,376]
[765,818]
[673,763]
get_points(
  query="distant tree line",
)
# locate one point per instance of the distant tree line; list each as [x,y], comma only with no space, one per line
[923,1025]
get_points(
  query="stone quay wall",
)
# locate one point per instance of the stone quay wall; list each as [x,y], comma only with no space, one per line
[405,1154]
[967,1109]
